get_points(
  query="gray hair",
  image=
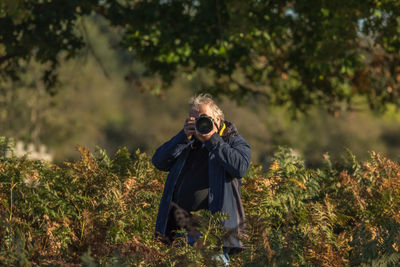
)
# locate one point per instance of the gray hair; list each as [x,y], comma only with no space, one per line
[206,99]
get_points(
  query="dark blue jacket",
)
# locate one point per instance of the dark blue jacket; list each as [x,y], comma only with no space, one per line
[229,160]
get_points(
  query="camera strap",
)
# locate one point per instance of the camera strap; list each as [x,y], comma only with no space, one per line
[222,129]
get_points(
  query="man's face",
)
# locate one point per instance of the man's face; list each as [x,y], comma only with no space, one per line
[203,109]
[189,126]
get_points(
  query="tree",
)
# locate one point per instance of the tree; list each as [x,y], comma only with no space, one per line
[296,52]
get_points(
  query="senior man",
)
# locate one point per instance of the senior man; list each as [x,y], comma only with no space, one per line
[205,169]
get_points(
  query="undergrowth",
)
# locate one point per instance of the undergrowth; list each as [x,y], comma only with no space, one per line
[100,211]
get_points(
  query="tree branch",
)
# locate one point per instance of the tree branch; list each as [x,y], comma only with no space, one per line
[91,49]
[252,90]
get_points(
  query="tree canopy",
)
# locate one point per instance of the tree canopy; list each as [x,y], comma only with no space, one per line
[296,52]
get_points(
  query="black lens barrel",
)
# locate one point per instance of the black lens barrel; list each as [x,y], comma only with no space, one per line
[204,124]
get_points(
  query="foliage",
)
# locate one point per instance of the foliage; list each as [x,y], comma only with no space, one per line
[99,211]
[105,109]
[96,210]
[327,217]
[298,52]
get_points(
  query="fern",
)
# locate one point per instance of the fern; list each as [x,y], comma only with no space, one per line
[342,215]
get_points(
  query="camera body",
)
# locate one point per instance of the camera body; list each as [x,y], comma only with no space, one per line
[204,124]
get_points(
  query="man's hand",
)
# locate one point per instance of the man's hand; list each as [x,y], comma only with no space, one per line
[204,137]
[189,128]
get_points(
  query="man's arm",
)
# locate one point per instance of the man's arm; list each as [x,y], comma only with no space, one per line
[234,157]
[165,155]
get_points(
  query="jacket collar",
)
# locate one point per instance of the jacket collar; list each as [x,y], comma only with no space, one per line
[229,131]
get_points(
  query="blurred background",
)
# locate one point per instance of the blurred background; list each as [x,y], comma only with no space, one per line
[103,99]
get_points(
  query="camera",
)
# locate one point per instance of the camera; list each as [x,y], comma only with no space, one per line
[204,124]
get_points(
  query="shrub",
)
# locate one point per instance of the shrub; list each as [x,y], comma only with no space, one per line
[101,211]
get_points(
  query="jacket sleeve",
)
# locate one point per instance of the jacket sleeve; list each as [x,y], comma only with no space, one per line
[165,155]
[234,157]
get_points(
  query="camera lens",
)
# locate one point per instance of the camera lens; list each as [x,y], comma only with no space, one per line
[204,125]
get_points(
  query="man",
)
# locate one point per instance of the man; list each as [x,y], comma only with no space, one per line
[204,171]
